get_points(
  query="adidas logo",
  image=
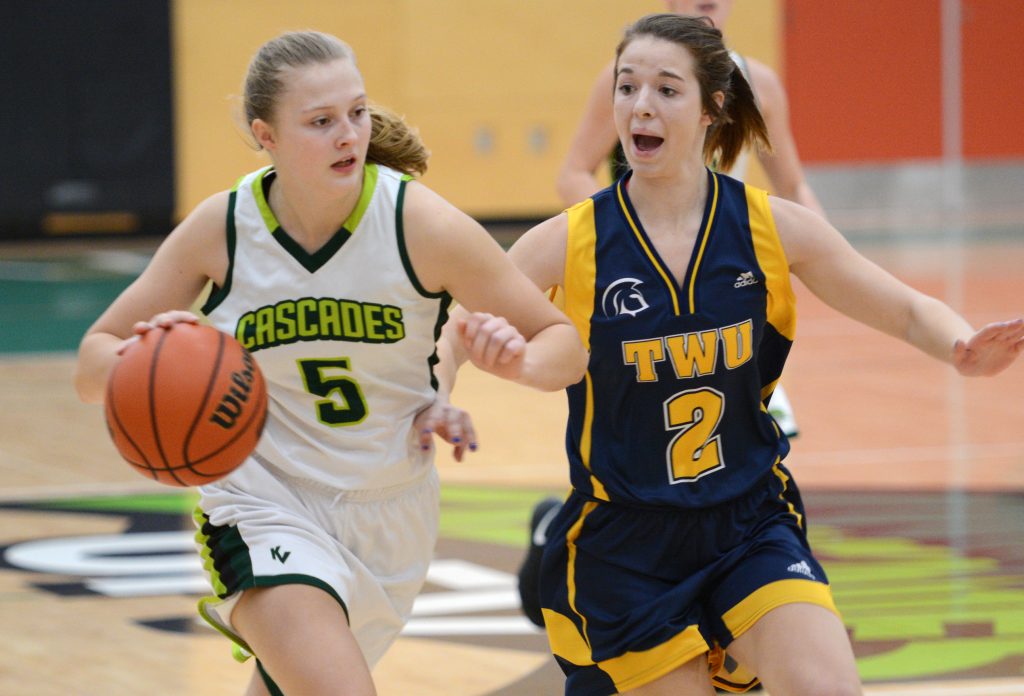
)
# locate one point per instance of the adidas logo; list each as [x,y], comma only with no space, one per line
[744,279]
[802,568]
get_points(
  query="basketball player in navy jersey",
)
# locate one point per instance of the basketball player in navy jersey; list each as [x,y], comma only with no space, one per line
[683,534]
[596,144]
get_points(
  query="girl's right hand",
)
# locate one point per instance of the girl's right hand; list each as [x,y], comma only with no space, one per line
[163,320]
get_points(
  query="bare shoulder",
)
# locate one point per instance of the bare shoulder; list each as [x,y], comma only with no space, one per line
[541,252]
[430,218]
[442,240]
[200,240]
[803,232]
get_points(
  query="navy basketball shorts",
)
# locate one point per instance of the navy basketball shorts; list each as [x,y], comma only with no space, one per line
[630,594]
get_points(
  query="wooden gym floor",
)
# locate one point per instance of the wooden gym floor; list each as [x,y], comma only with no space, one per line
[913,479]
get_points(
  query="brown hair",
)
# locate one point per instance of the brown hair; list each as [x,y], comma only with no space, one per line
[392,142]
[738,122]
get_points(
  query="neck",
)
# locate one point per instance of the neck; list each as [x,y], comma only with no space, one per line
[677,197]
[309,215]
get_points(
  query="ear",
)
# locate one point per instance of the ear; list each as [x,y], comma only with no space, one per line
[719,99]
[264,134]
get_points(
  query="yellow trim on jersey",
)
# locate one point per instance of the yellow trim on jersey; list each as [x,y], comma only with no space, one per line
[772,259]
[570,539]
[766,390]
[785,486]
[647,250]
[703,244]
[632,669]
[261,202]
[370,173]
[579,281]
[580,273]
[745,614]
[585,438]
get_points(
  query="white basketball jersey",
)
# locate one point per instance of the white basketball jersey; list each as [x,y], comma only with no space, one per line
[345,336]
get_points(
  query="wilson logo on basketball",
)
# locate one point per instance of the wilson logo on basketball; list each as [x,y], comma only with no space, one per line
[231,404]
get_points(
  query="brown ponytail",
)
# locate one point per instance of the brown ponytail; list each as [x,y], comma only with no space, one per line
[394,144]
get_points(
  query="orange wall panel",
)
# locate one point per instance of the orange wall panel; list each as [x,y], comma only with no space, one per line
[864,81]
[993,73]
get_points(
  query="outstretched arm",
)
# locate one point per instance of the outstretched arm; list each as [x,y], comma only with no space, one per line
[845,280]
[593,141]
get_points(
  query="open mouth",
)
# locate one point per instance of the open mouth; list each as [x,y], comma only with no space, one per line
[347,162]
[647,143]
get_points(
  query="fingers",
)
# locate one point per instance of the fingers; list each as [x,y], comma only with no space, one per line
[128,343]
[165,320]
[490,340]
[448,422]
[991,349]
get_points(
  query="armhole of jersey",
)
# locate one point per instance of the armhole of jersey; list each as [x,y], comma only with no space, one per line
[580,275]
[771,257]
[217,293]
[402,250]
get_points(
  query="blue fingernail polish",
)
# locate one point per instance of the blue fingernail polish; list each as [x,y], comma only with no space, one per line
[456,439]
[472,446]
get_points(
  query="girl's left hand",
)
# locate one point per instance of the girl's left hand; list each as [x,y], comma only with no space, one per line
[991,350]
[450,423]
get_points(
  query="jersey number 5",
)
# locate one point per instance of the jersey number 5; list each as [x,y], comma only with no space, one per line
[696,449]
[343,402]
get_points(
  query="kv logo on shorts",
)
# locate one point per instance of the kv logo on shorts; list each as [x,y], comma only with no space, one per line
[276,554]
[623,297]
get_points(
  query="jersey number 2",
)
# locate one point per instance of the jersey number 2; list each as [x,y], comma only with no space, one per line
[343,402]
[696,449]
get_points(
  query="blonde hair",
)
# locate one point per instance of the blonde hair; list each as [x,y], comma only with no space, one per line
[392,142]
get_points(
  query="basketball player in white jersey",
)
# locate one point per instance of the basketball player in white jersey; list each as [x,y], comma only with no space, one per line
[335,269]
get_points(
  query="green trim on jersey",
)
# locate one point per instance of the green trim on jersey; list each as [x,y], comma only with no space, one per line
[446,299]
[370,172]
[217,293]
[402,250]
[273,688]
[261,201]
[442,319]
[313,262]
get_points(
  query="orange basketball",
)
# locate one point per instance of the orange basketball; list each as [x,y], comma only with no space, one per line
[186,405]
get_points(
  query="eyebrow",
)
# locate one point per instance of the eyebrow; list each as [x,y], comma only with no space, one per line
[361,97]
[661,73]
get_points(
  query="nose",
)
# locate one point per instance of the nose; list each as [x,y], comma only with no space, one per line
[643,106]
[346,135]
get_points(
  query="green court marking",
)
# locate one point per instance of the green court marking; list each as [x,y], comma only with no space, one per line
[158,503]
[488,515]
[916,610]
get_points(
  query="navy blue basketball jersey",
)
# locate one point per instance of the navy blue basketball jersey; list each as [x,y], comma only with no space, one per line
[671,411]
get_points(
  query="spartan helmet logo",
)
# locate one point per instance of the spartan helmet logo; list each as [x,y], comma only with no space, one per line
[623,297]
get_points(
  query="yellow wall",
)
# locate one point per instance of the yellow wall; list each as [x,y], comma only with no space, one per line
[513,74]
